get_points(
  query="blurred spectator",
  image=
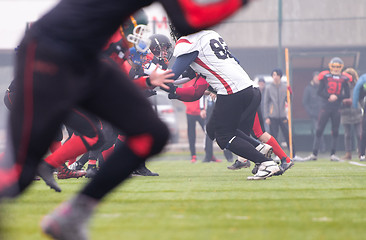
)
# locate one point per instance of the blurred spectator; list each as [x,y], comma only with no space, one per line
[312,104]
[262,85]
[275,111]
[358,98]
[351,118]
[193,112]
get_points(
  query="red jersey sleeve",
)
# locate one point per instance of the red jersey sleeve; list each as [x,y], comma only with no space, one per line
[322,74]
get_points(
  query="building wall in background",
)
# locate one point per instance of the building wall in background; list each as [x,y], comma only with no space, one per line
[311,23]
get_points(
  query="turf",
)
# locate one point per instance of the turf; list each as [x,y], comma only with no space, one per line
[313,200]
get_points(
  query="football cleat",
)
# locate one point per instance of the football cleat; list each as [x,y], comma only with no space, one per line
[297,159]
[144,171]
[335,158]
[265,170]
[238,164]
[64,172]
[45,171]
[76,166]
[362,158]
[311,157]
[69,220]
[284,166]
[194,159]
[91,171]
[214,159]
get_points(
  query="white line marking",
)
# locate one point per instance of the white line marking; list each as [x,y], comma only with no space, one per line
[357,164]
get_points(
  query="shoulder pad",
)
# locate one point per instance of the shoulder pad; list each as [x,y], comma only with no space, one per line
[322,74]
[347,76]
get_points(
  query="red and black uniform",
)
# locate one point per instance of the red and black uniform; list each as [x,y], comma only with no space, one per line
[87,127]
[330,84]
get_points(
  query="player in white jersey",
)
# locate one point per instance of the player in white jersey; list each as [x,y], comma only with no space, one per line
[207,53]
[214,61]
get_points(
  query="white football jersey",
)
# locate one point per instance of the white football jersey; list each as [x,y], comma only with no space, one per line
[214,61]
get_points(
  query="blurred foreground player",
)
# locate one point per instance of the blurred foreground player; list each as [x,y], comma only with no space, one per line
[59,65]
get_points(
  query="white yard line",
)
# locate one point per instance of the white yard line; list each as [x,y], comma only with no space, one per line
[357,164]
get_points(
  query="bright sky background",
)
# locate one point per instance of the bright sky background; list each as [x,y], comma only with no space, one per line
[13,17]
[14,14]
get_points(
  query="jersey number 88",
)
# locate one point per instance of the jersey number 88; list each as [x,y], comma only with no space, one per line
[220,49]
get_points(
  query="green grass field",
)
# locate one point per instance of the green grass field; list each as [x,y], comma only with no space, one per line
[313,200]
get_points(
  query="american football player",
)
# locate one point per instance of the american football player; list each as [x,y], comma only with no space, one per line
[207,53]
[333,88]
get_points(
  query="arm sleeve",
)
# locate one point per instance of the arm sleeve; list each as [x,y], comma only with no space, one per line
[182,63]
[322,90]
[356,91]
[141,82]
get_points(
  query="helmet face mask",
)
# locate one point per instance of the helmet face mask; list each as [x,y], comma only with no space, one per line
[135,30]
[138,38]
[335,66]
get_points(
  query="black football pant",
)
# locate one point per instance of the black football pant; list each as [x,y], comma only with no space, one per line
[324,115]
[229,113]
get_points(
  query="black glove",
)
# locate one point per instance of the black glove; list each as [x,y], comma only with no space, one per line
[173,96]
[171,89]
[149,93]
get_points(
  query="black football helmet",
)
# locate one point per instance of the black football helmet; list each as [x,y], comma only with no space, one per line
[161,46]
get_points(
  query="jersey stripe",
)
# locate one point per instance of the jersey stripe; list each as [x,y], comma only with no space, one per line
[226,85]
[183,41]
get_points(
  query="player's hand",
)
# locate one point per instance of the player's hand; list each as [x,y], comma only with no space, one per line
[159,78]
[268,121]
[213,96]
[203,113]
[332,98]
